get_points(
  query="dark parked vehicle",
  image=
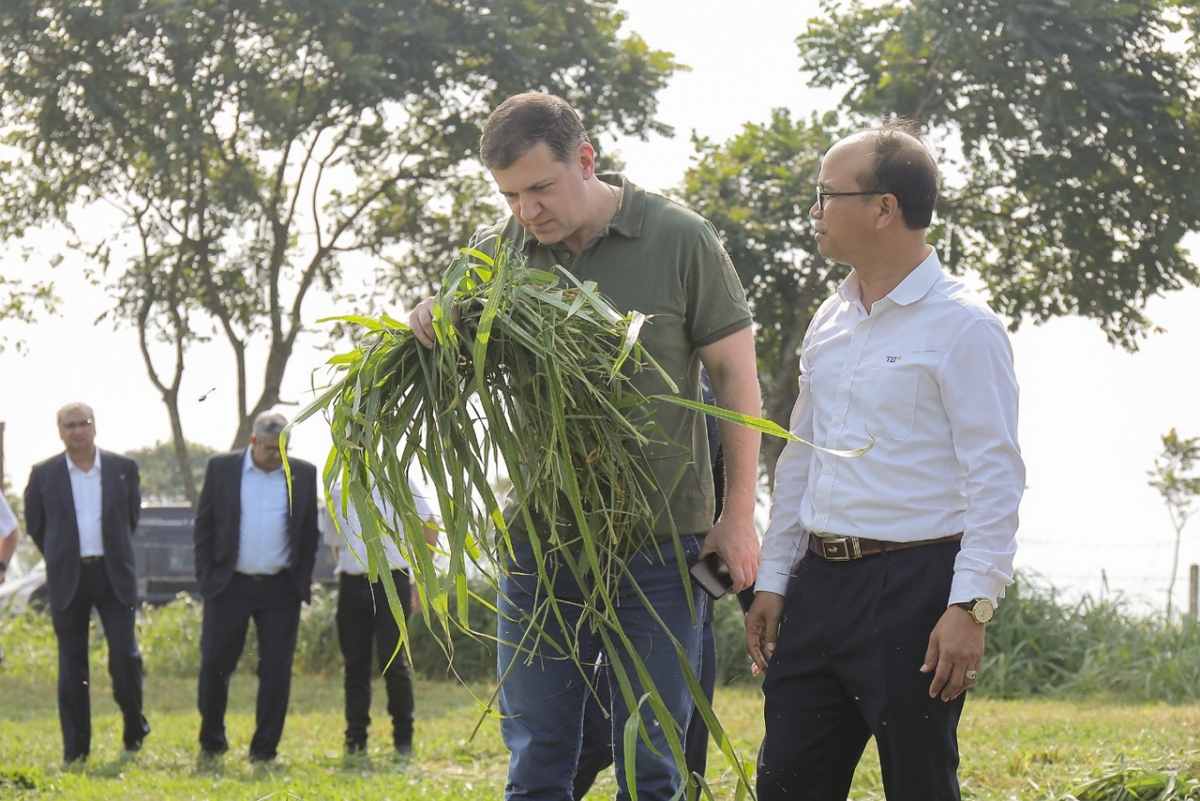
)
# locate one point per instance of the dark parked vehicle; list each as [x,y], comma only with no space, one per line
[165,556]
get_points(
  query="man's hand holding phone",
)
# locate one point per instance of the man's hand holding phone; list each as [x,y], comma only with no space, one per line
[712,575]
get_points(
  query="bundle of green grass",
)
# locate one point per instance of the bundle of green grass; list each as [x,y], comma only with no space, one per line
[532,380]
[530,377]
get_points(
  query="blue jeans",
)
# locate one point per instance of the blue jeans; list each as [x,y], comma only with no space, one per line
[543,686]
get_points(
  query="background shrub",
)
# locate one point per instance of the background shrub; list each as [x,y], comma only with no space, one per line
[1039,645]
[470,659]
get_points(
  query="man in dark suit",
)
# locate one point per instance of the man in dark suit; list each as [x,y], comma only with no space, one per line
[255,550]
[81,509]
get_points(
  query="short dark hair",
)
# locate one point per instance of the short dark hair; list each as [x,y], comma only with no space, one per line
[526,120]
[902,167]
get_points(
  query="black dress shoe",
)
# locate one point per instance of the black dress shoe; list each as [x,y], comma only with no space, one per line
[208,755]
[134,744]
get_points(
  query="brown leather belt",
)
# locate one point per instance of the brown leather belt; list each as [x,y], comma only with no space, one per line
[847,549]
[87,560]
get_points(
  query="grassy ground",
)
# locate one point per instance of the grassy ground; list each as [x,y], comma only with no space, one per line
[1012,749]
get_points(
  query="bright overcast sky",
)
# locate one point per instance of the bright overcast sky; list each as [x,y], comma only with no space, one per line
[1091,416]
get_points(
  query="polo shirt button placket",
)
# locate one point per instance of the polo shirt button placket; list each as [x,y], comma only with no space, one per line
[567,259]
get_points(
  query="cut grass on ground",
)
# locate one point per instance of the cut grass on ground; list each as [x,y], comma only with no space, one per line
[1011,749]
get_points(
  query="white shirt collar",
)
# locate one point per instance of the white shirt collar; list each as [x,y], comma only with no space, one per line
[248,465]
[915,285]
[73,468]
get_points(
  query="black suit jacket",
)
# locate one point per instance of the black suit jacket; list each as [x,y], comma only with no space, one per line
[50,521]
[218,524]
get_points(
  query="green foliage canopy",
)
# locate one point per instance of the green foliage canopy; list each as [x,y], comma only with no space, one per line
[1078,126]
[248,148]
[757,189]
[1176,475]
[1068,130]
[23,302]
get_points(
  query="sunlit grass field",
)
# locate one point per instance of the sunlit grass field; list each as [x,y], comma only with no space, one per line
[1069,692]
[1011,749]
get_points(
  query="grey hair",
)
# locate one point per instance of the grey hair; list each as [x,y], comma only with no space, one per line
[268,424]
[70,407]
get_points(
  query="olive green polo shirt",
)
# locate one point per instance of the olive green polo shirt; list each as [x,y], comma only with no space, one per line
[664,260]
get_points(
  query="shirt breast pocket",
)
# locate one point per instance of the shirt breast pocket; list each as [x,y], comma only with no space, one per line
[890,403]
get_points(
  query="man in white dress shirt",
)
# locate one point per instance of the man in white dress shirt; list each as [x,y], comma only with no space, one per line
[365,619]
[8,543]
[8,536]
[880,573]
[81,510]
[255,550]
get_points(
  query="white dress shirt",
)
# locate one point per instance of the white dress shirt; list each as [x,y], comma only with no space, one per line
[929,373]
[88,497]
[8,521]
[263,545]
[352,555]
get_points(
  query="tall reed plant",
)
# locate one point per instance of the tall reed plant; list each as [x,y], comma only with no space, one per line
[1041,644]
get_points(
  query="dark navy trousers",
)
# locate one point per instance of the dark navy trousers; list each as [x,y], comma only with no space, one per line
[71,627]
[847,668]
[365,625]
[273,604]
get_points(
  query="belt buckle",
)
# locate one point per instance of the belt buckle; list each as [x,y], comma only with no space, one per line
[840,549]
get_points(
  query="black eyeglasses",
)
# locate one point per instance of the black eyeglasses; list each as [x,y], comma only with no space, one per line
[77,425]
[822,194]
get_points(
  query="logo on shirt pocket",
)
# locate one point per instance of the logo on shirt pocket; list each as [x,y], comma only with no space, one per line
[890,403]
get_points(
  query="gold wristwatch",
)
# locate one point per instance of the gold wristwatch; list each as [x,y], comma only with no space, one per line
[981,609]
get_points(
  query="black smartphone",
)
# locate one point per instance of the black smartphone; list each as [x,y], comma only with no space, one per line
[712,575]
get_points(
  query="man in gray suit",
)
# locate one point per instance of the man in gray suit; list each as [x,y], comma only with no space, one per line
[256,545]
[81,509]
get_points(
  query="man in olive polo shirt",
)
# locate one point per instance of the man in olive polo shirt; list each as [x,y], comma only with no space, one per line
[646,253]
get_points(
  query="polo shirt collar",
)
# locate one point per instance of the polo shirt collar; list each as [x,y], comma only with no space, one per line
[627,221]
[631,211]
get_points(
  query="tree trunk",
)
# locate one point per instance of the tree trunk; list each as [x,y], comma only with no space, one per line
[1174,570]
[779,396]
[186,477]
[170,394]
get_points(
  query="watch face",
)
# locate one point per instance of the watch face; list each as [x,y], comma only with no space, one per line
[983,611]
